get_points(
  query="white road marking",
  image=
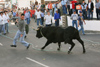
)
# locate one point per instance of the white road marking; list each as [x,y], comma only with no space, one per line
[1,44]
[37,62]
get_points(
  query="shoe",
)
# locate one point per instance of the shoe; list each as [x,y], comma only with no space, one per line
[84,34]
[4,33]
[28,46]
[8,32]
[25,36]
[13,45]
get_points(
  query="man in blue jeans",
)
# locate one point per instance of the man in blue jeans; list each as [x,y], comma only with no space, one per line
[27,17]
[74,18]
[63,3]
[6,21]
[80,22]
[21,33]
[56,18]
[38,17]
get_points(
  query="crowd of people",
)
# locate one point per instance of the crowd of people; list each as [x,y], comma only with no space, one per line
[43,14]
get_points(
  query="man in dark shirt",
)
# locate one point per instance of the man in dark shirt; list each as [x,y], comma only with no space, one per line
[42,7]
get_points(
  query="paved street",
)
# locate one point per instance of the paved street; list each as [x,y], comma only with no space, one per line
[50,57]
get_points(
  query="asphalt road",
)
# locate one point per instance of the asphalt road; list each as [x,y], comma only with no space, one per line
[50,57]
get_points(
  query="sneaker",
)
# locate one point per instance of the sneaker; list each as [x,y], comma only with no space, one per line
[7,32]
[4,34]
[25,36]
[84,34]
[28,46]
[13,45]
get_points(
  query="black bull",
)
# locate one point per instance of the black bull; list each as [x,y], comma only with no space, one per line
[58,35]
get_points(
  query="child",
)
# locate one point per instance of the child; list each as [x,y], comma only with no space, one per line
[74,17]
[80,22]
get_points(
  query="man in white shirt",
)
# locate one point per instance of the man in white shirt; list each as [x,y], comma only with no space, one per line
[6,20]
[38,17]
[74,18]
[48,19]
[39,6]
[1,22]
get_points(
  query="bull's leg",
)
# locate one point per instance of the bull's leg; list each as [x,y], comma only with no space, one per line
[82,43]
[59,45]
[47,43]
[72,46]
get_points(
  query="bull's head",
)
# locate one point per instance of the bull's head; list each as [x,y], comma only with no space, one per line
[39,35]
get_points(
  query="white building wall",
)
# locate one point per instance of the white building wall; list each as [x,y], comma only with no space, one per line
[13,1]
[23,3]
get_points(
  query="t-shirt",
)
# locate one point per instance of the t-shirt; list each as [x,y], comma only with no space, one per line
[73,4]
[6,18]
[74,16]
[42,6]
[38,14]
[42,14]
[2,20]
[21,25]
[48,19]
[80,19]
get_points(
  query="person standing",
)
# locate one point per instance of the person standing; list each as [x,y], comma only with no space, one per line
[68,5]
[43,7]
[27,17]
[80,22]
[73,4]
[2,23]
[58,7]
[56,18]
[39,6]
[84,9]
[63,6]
[74,18]
[97,9]
[6,21]
[50,8]
[76,4]
[53,5]
[14,13]
[70,11]
[90,9]
[21,33]
[42,17]
[38,17]
[48,19]
[46,6]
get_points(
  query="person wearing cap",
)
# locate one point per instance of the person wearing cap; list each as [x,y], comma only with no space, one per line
[6,21]
[2,23]
[80,22]
[74,18]
[56,18]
